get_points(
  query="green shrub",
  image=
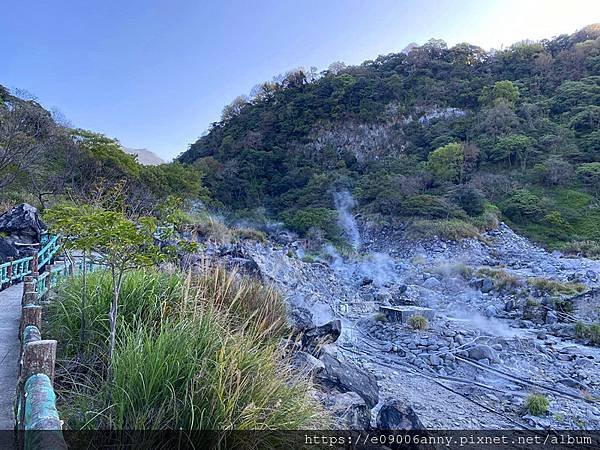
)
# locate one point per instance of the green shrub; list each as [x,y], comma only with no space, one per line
[250,234]
[424,205]
[451,229]
[469,199]
[446,162]
[580,330]
[590,249]
[555,287]
[502,279]
[523,206]
[305,219]
[194,353]
[591,332]
[537,404]
[418,322]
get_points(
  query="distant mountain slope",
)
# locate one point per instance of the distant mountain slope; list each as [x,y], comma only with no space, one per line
[444,135]
[145,156]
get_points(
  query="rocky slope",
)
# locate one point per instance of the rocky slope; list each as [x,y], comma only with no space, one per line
[501,326]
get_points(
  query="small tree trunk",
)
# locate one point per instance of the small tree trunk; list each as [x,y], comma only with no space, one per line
[83,304]
[117,279]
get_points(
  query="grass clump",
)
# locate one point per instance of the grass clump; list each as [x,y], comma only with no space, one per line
[450,269]
[380,317]
[501,278]
[588,248]
[554,287]
[448,229]
[537,404]
[591,332]
[418,322]
[249,234]
[192,352]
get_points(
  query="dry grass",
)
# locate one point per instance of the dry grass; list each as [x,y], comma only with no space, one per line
[555,287]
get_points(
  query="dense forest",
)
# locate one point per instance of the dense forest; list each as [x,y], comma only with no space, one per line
[447,139]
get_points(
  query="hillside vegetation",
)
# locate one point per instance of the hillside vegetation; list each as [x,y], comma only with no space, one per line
[43,161]
[445,138]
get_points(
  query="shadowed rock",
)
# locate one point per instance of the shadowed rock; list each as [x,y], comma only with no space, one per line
[395,415]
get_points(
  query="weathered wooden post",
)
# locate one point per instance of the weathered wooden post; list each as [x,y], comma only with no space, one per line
[30,315]
[9,272]
[39,357]
[34,266]
[29,296]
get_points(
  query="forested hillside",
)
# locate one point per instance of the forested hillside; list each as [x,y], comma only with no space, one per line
[42,161]
[446,139]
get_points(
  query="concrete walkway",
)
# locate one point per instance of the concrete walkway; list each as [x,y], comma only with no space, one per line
[10,315]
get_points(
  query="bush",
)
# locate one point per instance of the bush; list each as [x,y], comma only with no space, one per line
[554,287]
[469,199]
[537,404]
[591,332]
[591,249]
[502,279]
[523,206]
[427,206]
[418,322]
[451,229]
[446,163]
[305,219]
[193,353]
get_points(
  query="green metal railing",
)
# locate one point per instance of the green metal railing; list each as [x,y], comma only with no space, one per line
[15,271]
[50,249]
[11,271]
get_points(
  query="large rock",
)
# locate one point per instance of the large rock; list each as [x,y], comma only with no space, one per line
[20,225]
[349,377]
[236,257]
[315,338]
[403,313]
[23,221]
[349,411]
[300,318]
[482,351]
[395,415]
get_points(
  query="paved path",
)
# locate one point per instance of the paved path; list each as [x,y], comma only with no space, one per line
[10,314]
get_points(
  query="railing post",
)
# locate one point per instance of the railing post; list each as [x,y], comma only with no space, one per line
[30,315]
[39,357]
[34,265]
[9,271]
[29,296]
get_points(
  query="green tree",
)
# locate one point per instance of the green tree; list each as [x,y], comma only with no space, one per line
[513,149]
[590,174]
[503,91]
[446,162]
[112,240]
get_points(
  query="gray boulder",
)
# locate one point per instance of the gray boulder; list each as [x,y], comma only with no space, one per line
[315,338]
[307,363]
[20,225]
[395,415]
[431,283]
[23,222]
[349,377]
[349,411]
[481,351]
[487,285]
[300,318]
[551,317]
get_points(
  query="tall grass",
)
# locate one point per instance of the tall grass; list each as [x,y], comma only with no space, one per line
[192,352]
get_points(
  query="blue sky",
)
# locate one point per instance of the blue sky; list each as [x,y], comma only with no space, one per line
[155,74]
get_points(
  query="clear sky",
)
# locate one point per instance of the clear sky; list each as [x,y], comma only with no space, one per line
[155,73]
